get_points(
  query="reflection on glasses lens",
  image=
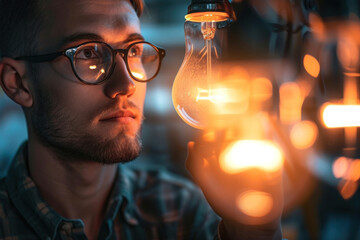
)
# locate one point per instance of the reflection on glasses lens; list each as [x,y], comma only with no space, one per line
[143,61]
[93,62]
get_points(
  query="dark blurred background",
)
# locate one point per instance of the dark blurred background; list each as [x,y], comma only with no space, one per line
[318,211]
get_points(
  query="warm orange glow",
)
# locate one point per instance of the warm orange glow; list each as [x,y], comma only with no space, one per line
[347,168]
[247,154]
[311,65]
[261,89]
[209,136]
[340,167]
[348,52]
[229,97]
[138,75]
[303,134]
[230,91]
[205,163]
[317,25]
[335,116]
[102,71]
[350,91]
[219,95]
[92,67]
[255,203]
[347,188]
[291,101]
[350,98]
[354,171]
[350,136]
[207,17]
[351,74]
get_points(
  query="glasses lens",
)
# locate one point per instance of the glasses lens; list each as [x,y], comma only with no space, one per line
[92,62]
[143,61]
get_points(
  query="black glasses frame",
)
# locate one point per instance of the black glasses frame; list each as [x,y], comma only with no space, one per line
[70,52]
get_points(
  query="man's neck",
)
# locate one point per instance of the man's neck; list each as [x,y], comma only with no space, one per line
[75,189]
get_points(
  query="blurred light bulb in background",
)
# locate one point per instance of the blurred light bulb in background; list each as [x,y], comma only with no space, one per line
[341,115]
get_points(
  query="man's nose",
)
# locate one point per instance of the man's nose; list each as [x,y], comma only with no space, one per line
[120,81]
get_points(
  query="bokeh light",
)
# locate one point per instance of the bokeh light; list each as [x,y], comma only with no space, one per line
[247,154]
[255,203]
[304,134]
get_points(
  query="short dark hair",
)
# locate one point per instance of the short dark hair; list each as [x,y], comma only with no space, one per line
[20,23]
[138,6]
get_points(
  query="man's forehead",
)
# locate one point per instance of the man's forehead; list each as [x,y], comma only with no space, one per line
[113,20]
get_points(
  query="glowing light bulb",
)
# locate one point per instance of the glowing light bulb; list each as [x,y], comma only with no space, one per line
[194,92]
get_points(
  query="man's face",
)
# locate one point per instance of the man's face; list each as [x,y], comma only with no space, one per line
[88,122]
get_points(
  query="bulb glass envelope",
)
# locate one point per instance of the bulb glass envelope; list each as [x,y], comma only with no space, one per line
[194,80]
[237,91]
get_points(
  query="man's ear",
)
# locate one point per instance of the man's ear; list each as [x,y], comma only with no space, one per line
[13,82]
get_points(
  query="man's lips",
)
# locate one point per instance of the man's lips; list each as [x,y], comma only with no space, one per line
[121,116]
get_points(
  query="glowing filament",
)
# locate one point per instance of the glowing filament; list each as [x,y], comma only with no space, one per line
[92,67]
[247,154]
[220,95]
[335,116]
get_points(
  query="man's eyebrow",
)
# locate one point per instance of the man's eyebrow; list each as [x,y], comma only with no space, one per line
[80,37]
[134,37]
[94,37]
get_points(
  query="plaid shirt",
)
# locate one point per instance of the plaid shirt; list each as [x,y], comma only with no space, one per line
[143,205]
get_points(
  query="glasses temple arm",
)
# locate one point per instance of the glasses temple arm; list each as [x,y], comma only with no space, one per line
[41,58]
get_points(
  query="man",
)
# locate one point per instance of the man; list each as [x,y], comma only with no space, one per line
[79,70]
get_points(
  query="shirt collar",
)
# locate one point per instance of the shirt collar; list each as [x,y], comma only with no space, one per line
[123,189]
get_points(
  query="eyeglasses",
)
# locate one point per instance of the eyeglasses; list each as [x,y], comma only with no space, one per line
[94,62]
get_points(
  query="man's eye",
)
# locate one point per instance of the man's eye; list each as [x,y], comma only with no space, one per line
[135,51]
[87,53]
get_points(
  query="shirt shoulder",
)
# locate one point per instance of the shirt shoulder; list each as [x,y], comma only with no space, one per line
[159,192]
[162,181]
[12,223]
[4,199]
[4,209]
[173,203]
